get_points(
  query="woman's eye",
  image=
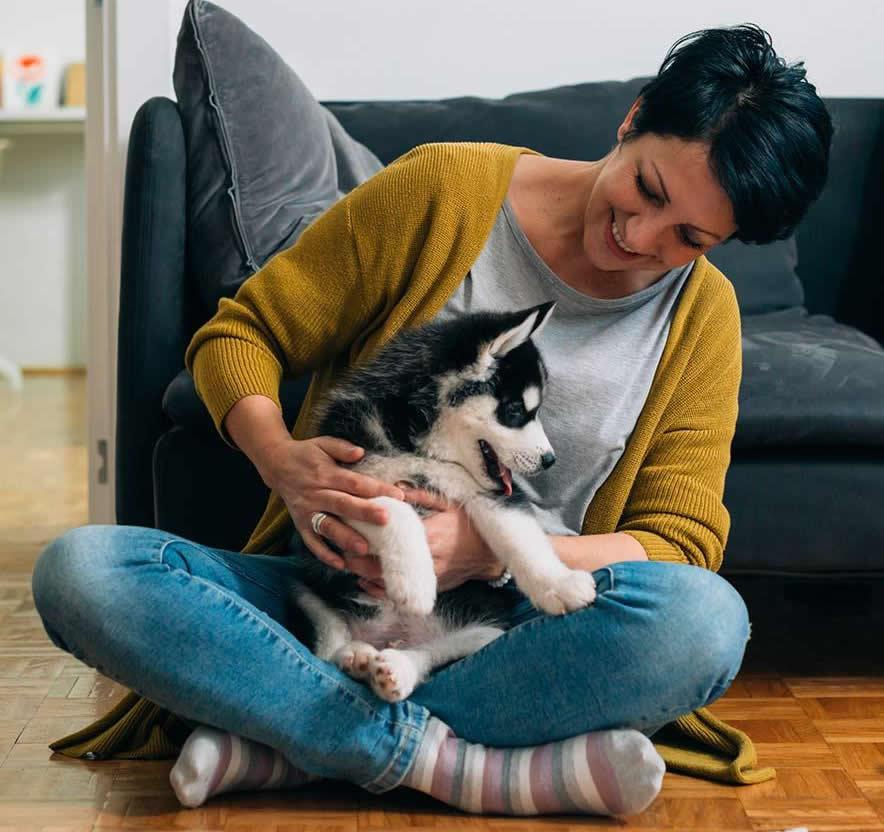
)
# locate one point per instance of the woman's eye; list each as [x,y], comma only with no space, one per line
[640,184]
[643,190]
[688,241]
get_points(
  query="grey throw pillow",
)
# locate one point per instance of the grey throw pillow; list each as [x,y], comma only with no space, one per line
[264,158]
[764,277]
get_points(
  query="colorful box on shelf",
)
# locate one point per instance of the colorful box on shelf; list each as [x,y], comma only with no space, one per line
[31,81]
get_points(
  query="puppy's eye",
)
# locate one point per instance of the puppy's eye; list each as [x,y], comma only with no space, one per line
[513,411]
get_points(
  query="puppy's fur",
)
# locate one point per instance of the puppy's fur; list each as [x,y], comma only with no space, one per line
[451,407]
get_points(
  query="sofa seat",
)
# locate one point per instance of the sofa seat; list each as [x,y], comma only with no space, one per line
[185,408]
[809,381]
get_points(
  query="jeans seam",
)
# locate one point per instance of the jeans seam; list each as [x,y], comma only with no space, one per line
[221,562]
[402,758]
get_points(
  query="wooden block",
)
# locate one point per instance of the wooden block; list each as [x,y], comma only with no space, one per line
[801,783]
[126,811]
[751,709]
[796,754]
[52,783]
[32,816]
[851,730]
[681,785]
[19,705]
[817,815]
[711,813]
[794,730]
[860,756]
[51,728]
[870,783]
[820,687]
[766,687]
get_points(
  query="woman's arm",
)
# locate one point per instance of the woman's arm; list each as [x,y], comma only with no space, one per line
[593,551]
[297,312]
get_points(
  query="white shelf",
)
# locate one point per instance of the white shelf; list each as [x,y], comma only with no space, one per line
[60,120]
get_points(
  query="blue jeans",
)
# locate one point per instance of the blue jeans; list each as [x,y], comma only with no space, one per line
[199,631]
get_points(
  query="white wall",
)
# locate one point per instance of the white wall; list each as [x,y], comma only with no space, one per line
[42,208]
[411,48]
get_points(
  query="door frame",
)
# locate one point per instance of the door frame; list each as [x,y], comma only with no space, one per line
[129,49]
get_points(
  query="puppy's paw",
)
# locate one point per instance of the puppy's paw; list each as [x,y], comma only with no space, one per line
[355,659]
[568,591]
[393,675]
[412,594]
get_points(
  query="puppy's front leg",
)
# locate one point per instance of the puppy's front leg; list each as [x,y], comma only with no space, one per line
[406,561]
[519,542]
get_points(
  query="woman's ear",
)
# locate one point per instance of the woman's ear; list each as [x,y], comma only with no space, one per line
[624,128]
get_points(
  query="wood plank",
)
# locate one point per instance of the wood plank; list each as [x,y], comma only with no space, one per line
[817,815]
[822,687]
[779,708]
[871,707]
[851,730]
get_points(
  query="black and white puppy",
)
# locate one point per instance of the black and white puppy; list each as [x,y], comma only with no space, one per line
[451,407]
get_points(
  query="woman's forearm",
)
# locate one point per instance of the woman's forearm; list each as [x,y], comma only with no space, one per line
[256,425]
[593,551]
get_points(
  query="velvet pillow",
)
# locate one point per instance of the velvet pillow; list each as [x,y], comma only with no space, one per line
[264,158]
[764,277]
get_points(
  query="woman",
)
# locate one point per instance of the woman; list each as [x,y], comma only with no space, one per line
[554,716]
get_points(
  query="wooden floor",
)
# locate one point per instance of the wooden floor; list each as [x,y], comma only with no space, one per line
[811,694]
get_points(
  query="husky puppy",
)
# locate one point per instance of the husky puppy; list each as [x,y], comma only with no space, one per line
[451,407]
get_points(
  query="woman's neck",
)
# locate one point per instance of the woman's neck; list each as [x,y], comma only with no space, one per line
[549,197]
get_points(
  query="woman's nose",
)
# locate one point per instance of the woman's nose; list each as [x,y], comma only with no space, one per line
[645,235]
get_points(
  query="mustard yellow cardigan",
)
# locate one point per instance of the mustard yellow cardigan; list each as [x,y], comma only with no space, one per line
[387,257]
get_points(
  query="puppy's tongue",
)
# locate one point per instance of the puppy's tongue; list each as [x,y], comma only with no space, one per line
[507,477]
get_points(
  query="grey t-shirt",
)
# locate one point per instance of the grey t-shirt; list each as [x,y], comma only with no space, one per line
[602,355]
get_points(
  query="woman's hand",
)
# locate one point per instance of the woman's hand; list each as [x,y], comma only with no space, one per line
[459,553]
[308,477]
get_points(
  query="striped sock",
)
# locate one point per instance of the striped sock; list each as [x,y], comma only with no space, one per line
[212,762]
[616,772]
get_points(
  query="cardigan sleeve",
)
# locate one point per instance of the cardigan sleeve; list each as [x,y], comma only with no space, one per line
[297,310]
[675,509]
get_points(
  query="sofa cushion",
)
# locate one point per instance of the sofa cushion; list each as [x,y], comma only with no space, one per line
[264,158]
[809,381]
[764,277]
[185,408]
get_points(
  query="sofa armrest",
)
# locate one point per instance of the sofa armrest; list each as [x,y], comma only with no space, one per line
[155,301]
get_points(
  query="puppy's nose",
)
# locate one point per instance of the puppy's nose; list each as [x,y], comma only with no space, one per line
[547,460]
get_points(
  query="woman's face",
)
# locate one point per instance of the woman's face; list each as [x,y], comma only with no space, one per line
[660,197]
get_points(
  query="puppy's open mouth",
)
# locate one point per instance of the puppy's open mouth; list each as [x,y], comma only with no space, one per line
[496,469]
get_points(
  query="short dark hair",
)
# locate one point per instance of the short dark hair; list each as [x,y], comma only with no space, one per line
[768,130]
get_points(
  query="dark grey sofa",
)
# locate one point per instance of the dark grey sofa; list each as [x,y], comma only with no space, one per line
[806,486]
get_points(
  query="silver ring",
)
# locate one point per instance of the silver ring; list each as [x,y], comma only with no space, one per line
[316,521]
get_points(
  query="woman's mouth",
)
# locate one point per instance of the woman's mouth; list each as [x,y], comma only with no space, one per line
[617,246]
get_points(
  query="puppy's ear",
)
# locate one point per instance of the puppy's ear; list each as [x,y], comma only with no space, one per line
[545,311]
[533,322]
